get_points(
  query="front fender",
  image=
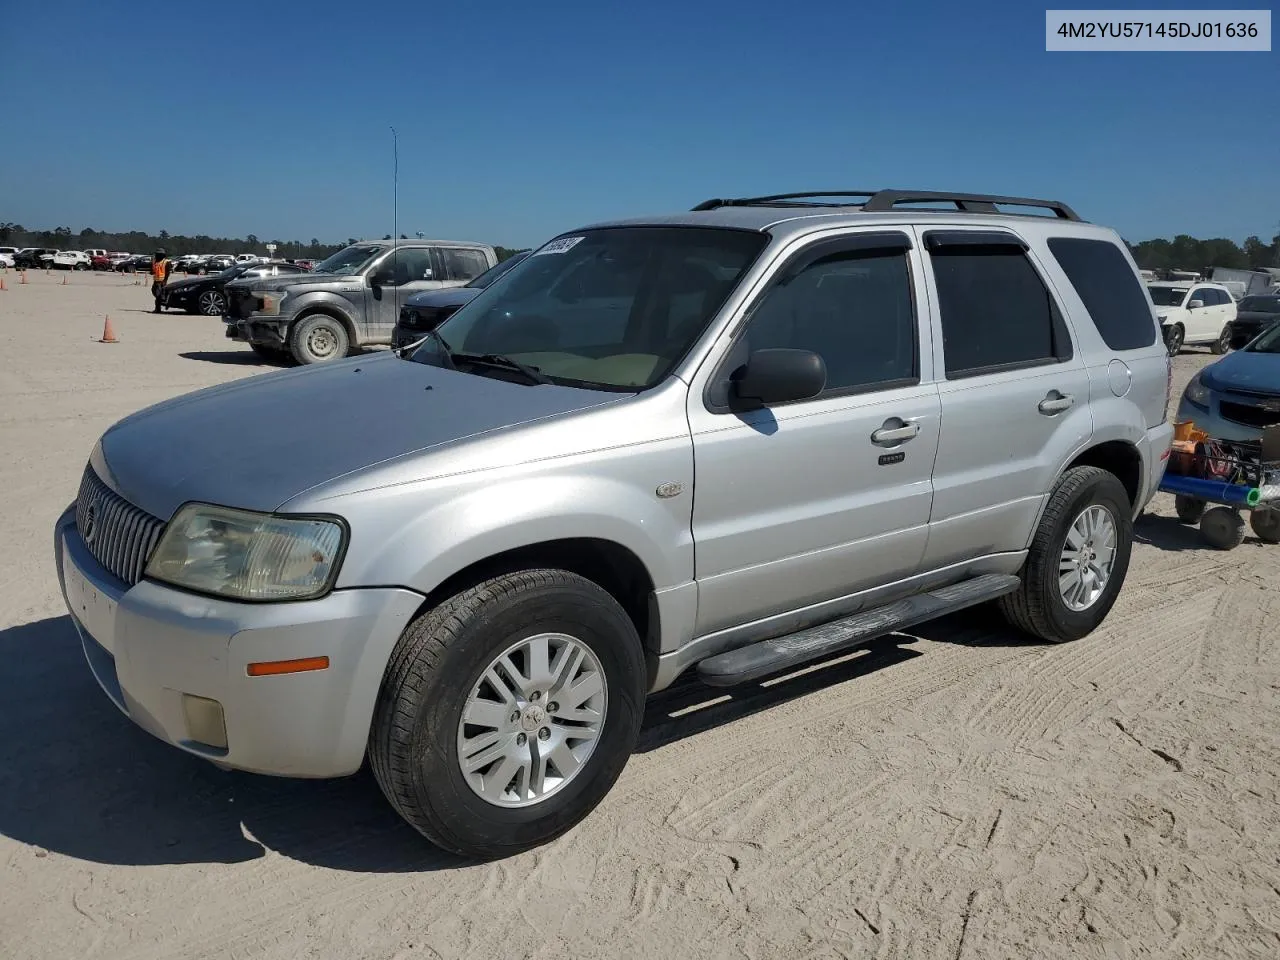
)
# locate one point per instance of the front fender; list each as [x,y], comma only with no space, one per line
[395,541]
[326,302]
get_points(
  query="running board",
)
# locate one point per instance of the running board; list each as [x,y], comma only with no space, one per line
[773,656]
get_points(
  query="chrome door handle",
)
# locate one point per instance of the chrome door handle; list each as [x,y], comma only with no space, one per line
[895,434]
[1055,403]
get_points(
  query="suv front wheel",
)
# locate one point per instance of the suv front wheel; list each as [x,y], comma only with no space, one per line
[508,712]
[1078,559]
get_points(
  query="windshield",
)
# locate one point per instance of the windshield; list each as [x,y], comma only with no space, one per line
[1269,342]
[496,271]
[1270,304]
[1167,296]
[613,309]
[349,260]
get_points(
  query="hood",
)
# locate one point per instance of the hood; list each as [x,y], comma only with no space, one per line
[296,279]
[449,297]
[259,442]
[1244,371]
[186,283]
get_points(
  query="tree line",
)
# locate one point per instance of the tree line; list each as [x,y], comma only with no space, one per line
[175,245]
[1183,252]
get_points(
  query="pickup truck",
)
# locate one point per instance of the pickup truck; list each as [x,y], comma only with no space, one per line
[348,301]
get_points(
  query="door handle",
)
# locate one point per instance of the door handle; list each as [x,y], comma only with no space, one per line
[895,434]
[1055,402]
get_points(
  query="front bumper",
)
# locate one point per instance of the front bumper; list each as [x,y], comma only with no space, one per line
[152,648]
[270,332]
[1212,422]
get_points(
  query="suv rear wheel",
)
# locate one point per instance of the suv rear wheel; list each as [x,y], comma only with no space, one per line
[1078,559]
[317,338]
[508,712]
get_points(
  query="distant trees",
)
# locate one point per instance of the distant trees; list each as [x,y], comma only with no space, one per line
[1185,252]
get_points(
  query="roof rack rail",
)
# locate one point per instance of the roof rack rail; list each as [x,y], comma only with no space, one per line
[886,200]
[781,199]
[883,201]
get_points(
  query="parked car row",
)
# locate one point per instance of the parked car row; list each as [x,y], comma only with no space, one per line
[206,294]
[1204,313]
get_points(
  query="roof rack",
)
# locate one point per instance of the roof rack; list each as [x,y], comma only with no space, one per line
[883,201]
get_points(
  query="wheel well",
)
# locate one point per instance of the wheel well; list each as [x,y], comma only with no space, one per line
[609,565]
[331,312]
[1117,457]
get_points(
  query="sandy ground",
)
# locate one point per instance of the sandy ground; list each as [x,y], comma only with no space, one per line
[959,793]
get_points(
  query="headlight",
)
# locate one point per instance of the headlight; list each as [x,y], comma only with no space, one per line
[248,556]
[1196,392]
[271,300]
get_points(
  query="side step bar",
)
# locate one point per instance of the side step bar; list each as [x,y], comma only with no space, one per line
[781,653]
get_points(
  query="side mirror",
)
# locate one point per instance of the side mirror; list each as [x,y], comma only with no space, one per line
[1195,304]
[780,375]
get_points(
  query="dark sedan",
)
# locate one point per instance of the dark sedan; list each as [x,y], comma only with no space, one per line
[206,294]
[423,312]
[1253,315]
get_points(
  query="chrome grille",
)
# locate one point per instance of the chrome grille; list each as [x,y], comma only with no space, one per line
[118,534]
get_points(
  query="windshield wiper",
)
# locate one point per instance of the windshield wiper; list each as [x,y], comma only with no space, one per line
[499,360]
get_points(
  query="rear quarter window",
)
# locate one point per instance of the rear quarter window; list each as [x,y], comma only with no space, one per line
[1109,289]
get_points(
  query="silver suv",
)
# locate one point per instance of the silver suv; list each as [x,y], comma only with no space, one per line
[731,440]
[350,300]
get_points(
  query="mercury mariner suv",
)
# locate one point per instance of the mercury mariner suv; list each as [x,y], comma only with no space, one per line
[721,443]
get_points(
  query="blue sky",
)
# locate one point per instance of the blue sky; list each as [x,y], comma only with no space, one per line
[519,120]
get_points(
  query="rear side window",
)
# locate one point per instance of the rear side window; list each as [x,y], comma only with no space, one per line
[1109,289]
[996,312]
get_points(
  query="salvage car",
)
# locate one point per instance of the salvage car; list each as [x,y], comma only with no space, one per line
[1193,314]
[350,300]
[729,441]
[1254,314]
[71,260]
[423,312]
[1236,397]
[206,294]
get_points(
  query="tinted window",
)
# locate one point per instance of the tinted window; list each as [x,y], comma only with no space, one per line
[464,264]
[406,266]
[615,308]
[996,312]
[853,309]
[1109,290]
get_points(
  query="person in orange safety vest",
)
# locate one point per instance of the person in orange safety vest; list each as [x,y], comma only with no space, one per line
[160,268]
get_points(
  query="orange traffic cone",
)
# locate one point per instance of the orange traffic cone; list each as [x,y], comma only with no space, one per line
[108,333]
[2,286]
[24,277]
[64,279]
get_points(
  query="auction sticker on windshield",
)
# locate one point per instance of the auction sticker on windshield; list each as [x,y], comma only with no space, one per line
[558,246]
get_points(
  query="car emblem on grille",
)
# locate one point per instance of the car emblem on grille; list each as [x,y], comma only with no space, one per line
[90,523]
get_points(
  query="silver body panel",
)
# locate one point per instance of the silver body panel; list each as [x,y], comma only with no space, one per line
[768,522]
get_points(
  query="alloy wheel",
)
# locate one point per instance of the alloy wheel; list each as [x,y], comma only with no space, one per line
[532,720]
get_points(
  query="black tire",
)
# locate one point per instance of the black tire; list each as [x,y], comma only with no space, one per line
[1222,528]
[1223,343]
[310,332]
[212,303]
[1189,509]
[1266,524]
[1173,339]
[413,739]
[1037,606]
